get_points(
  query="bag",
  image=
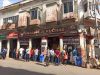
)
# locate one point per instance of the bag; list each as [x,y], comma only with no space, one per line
[41,58]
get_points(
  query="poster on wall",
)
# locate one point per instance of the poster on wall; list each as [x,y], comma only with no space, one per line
[43,44]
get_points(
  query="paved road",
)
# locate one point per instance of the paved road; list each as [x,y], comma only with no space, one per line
[15,67]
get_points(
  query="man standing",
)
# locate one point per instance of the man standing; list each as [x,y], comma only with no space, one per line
[27,54]
[52,55]
[75,53]
[47,57]
[57,57]
[4,52]
[21,52]
[35,54]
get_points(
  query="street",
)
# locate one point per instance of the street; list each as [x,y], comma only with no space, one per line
[17,67]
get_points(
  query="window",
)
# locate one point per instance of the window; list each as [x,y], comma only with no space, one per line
[34,14]
[90,5]
[68,6]
[13,18]
[85,7]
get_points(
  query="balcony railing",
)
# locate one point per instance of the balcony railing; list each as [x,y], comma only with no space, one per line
[35,22]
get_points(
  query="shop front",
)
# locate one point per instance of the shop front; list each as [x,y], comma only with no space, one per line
[11,42]
[52,37]
[3,41]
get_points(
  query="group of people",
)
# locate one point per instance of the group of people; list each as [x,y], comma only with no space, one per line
[54,56]
[27,54]
[47,55]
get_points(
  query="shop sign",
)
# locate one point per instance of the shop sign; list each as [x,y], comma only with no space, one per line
[68,31]
[51,31]
[2,36]
[71,41]
[54,30]
[12,35]
[29,34]
[24,41]
[44,44]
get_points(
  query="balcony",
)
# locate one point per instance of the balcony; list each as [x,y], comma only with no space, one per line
[69,15]
[90,14]
[35,22]
[8,26]
[51,17]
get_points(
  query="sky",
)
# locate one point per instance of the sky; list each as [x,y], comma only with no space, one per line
[12,1]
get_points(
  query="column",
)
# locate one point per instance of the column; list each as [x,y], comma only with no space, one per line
[18,44]
[83,49]
[0,45]
[61,43]
[44,43]
[30,43]
[8,47]
[92,48]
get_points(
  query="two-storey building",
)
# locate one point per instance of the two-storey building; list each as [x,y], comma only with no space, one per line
[57,24]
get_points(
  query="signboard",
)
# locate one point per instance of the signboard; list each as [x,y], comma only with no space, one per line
[70,30]
[71,41]
[12,35]
[2,36]
[24,42]
[44,44]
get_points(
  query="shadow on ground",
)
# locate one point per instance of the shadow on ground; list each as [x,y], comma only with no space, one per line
[38,63]
[11,71]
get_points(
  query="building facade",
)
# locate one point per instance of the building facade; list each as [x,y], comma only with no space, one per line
[57,24]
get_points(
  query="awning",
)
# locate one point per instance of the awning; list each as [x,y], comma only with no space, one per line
[12,35]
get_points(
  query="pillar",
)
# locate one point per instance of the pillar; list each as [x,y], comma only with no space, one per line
[8,47]
[61,43]
[0,45]
[44,43]
[92,49]
[30,43]
[18,44]
[83,49]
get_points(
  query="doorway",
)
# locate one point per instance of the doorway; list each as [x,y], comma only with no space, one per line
[53,42]
[4,44]
[13,45]
[36,43]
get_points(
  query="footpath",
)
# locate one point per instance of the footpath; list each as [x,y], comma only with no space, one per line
[17,67]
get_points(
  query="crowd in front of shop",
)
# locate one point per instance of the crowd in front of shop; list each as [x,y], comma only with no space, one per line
[54,56]
[49,56]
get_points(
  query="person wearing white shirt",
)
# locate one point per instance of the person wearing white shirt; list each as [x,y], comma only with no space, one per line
[21,51]
[35,54]
[51,55]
